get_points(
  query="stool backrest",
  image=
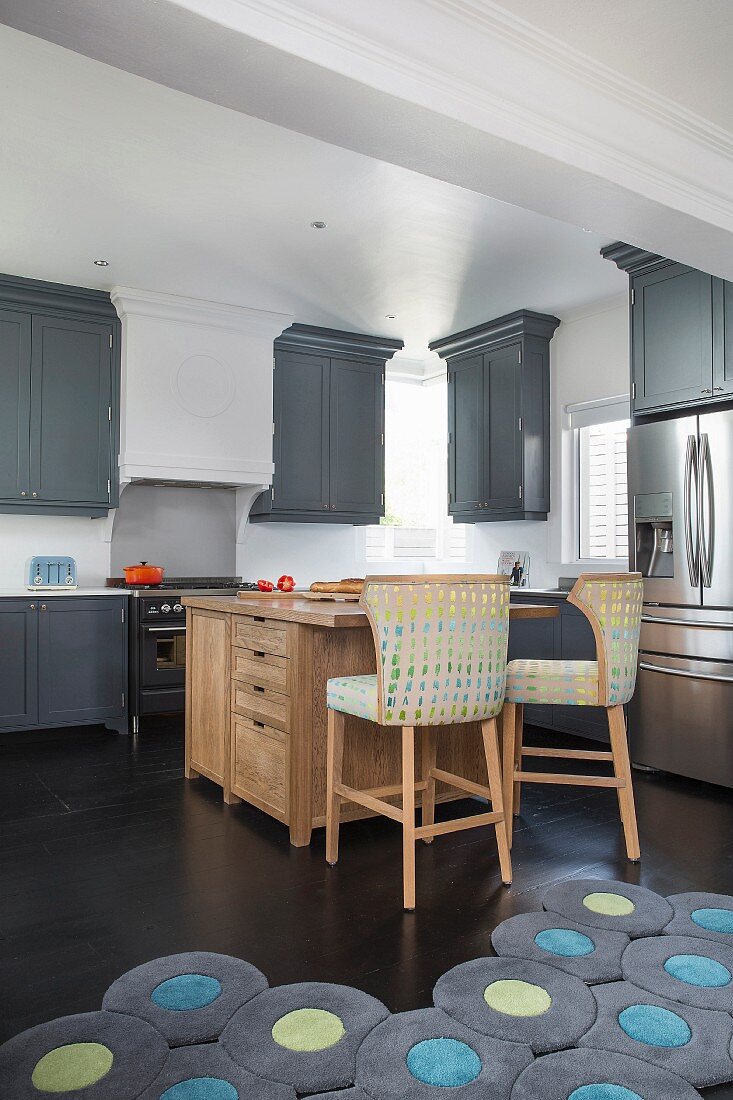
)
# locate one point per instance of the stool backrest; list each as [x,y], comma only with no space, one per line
[441,646]
[612,603]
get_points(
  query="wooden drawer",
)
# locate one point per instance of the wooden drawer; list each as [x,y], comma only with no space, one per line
[253,666]
[260,765]
[262,704]
[261,635]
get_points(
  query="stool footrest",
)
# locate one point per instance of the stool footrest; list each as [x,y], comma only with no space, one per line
[363,798]
[458,824]
[461,783]
[569,780]
[568,754]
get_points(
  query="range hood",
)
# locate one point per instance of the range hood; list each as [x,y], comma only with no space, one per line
[196,391]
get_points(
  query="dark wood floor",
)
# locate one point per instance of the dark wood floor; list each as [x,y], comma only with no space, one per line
[109,858]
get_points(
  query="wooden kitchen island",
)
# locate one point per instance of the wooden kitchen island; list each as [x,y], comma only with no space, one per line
[256,672]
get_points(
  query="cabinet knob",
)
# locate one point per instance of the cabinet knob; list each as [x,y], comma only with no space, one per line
[34,494]
[325,507]
[23,493]
[706,391]
[33,607]
[43,607]
[333,507]
[717,389]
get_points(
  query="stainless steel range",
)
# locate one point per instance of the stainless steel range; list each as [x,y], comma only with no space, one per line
[158,640]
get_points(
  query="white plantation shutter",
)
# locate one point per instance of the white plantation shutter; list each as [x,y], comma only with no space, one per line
[602,491]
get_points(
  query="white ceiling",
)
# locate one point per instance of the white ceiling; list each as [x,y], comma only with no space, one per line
[680,49]
[184,196]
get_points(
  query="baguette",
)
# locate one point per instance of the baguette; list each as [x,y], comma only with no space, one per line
[350,586]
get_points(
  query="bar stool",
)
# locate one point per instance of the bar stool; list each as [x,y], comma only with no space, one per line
[612,603]
[441,646]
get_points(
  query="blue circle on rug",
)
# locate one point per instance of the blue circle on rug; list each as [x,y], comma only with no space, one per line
[201,1088]
[446,1063]
[186,992]
[565,943]
[698,970]
[604,1092]
[713,920]
[654,1026]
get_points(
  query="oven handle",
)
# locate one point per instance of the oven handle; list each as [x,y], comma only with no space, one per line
[685,622]
[687,675]
[180,629]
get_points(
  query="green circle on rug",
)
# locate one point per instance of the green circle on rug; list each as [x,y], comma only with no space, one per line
[515,998]
[609,905]
[308,1030]
[73,1066]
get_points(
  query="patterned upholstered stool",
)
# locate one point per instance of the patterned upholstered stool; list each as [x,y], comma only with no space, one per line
[441,654]
[612,604]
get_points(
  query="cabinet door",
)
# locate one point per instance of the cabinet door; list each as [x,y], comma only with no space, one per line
[672,337]
[82,659]
[356,438]
[71,398]
[301,388]
[723,337]
[577,643]
[15,403]
[465,434]
[18,663]
[502,437]
[533,639]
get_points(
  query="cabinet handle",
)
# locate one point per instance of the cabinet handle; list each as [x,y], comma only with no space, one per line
[718,389]
[706,391]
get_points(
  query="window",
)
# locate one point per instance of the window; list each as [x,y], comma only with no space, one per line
[599,430]
[416,524]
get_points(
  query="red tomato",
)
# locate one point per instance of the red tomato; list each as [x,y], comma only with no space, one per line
[286,583]
[265,586]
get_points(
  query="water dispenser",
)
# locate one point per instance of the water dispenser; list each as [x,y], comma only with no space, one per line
[654,534]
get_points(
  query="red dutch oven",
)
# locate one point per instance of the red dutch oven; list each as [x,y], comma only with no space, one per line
[143,573]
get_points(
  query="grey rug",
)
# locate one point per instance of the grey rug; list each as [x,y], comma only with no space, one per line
[692,971]
[560,1076]
[591,954]
[188,997]
[616,906]
[704,915]
[691,1042]
[97,1055]
[208,1073]
[517,1000]
[413,1053]
[304,1035]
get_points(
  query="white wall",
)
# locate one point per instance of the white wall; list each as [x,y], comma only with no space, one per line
[589,359]
[22,537]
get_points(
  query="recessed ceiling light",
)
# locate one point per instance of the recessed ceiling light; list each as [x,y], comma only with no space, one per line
[318,225]
[390,316]
[101,263]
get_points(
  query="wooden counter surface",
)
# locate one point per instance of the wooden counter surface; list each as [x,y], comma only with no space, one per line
[256,716]
[327,613]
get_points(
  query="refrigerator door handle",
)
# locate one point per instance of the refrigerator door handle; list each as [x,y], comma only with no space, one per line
[692,550]
[680,672]
[705,483]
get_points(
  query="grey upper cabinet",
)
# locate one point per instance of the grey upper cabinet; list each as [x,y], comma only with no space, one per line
[499,418]
[681,333]
[328,428]
[59,399]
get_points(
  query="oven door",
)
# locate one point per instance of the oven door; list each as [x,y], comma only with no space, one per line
[162,656]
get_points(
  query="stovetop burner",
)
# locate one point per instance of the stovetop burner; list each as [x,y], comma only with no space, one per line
[171,583]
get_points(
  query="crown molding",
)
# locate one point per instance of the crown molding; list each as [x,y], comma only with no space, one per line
[512,326]
[56,297]
[332,341]
[631,259]
[132,302]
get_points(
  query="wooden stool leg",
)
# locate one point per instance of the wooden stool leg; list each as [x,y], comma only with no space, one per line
[429,761]
[518,742]
[509,723]
[334,765]
[622,770]
[493,767]
[408,816]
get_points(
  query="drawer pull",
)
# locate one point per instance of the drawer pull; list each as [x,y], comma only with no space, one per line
[260,725]
[256,687]
[259,618]
[259,652]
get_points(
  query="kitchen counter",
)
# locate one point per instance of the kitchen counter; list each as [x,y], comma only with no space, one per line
[21,593]
[256,716]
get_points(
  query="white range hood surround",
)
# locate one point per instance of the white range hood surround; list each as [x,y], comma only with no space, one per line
[196,402]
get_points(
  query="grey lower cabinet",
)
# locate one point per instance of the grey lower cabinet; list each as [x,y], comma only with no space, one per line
[499,418]
[569,637]
[63,662]
[681,333]
[59,399]
[328,428]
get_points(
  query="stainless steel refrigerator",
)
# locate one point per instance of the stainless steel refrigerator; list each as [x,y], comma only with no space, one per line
[681,539]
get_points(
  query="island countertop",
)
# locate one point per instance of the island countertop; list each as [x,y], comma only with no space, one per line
[326,613]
